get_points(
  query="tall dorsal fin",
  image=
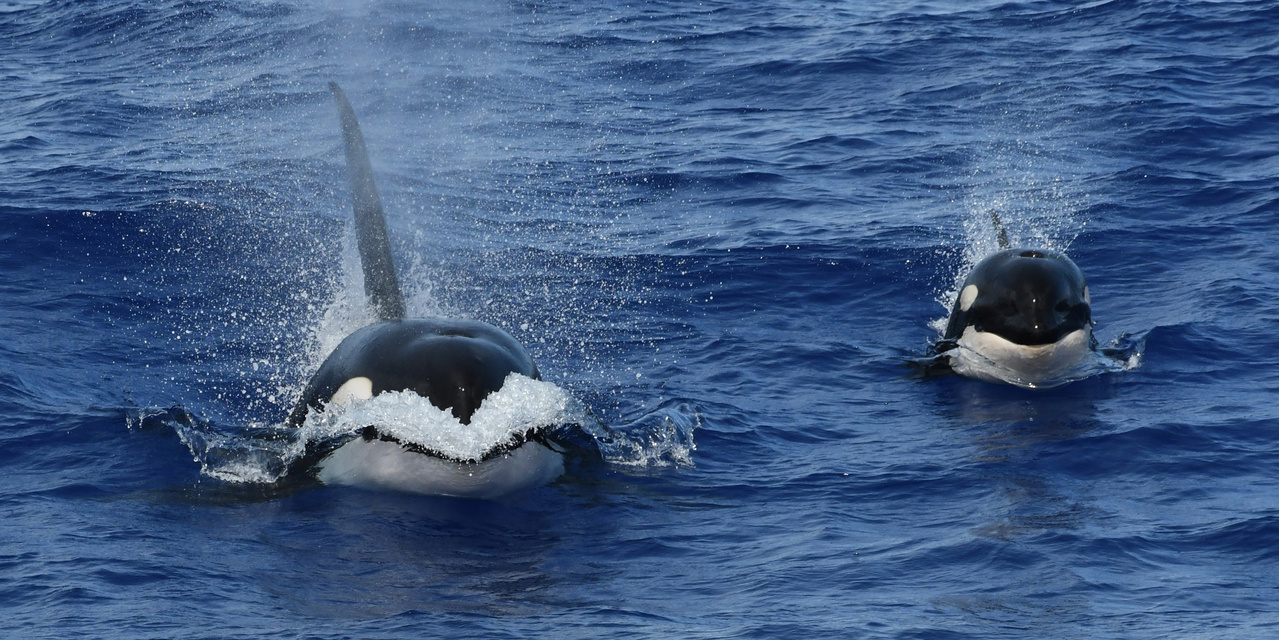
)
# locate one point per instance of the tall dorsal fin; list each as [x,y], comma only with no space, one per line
[1001,233]
[381,286]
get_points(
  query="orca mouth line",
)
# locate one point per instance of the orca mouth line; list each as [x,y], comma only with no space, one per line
[518,440]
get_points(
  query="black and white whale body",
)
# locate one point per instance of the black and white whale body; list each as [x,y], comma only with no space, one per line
[1023,316]
[455,364]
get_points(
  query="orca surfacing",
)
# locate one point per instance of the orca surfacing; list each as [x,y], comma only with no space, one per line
[1023,316]
[455,364]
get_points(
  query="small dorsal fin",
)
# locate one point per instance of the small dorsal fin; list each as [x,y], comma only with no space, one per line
[381,286]
[1001,233]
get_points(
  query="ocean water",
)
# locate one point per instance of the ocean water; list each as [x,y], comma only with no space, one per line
[726,230]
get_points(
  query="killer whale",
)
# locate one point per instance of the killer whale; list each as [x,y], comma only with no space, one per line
[455,364]
[1023,316]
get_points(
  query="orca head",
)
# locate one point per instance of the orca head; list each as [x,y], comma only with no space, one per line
[1028,297]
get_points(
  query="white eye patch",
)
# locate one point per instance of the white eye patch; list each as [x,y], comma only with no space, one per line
[969,295]
[360,388]
[1086,297]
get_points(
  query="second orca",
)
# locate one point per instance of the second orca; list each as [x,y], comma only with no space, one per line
[1023,316]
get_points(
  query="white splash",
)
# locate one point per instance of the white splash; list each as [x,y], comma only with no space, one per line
[502,420]
[264,454]
[662,438]
[505,416]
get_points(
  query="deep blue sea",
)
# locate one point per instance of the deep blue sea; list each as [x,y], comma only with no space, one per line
[727,229]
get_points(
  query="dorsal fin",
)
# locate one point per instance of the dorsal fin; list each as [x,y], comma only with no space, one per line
[1001,234]
[381,286]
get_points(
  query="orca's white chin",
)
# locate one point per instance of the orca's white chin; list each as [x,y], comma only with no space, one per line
[989,357]
[380,464]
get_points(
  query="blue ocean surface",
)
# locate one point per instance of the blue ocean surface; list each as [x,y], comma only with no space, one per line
[727,230]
